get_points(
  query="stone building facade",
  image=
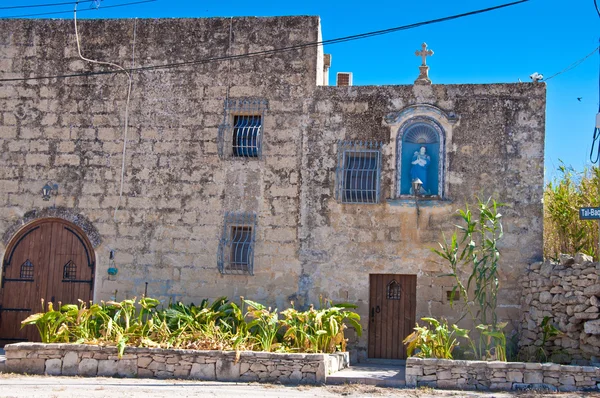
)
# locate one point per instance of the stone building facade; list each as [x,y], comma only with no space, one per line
[193,203]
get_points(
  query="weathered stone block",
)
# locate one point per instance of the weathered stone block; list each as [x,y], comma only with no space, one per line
[88,367]
[204,371]
[70,364]
[34,366]
[53,367]
[107,367]
[127,368]
[533,377]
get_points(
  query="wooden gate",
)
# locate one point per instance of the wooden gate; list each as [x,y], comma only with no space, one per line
[50,259]
[392,313]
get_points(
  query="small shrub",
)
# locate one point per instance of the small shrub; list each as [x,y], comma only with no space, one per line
[437,342]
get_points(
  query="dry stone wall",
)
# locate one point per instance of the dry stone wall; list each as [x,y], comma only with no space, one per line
[87,360]
[568,293]
[480,375]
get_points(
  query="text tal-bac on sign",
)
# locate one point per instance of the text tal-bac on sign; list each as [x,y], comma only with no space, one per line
[589,213]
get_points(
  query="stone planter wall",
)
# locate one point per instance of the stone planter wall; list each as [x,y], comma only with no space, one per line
[480,375]
[88,360]
[569,293]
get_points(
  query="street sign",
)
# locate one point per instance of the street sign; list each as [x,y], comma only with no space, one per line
[589,213]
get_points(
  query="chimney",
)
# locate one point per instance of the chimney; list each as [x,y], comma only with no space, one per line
[326,66]
[344,78]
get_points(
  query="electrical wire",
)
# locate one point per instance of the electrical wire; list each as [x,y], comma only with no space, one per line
[130,82]
[68,12]
[45,5]
[597,9]
[278,50]
[596,134]
[574,64]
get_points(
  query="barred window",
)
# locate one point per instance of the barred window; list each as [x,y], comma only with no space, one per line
[358,172]
[241,133]
[394,290]
[26,270]
[69,271]
[236,247]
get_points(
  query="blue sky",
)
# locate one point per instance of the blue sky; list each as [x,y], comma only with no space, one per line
[544,36]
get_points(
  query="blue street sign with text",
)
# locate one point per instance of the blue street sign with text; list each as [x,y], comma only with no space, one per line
[589,213]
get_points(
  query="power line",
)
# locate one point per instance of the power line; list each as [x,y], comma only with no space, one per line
[68,12]
[573,65]
[278,50]
[45,5]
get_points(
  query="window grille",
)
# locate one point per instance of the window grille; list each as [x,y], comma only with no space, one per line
[394,290]
[26,270]
[69,271]
[236,247]
[358,172]
[241,133]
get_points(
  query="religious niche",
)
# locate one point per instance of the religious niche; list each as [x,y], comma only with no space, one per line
[394,291]
[419,157]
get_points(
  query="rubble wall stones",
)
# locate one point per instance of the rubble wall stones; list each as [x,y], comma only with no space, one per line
[87,360]
[480,375]
[568,293]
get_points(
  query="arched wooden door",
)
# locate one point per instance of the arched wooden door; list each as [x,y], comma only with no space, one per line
[50,259]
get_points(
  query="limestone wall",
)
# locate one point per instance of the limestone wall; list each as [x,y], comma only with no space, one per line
[89,360]
[494,147]
[480,375]
[176,190]
[568,293]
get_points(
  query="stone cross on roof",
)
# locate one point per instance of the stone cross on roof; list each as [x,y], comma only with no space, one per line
[423,69]
[424,53]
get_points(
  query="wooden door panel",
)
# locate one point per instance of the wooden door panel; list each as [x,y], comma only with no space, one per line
[48,244]
[392,300]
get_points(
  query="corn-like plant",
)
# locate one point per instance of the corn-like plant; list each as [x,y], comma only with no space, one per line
[220,325]
[264,325]
[436,341]
[475,253]
[564,232]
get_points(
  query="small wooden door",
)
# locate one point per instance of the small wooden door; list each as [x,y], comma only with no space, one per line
[392,313]
[50,259]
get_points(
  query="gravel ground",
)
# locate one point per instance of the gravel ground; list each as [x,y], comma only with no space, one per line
[43,387]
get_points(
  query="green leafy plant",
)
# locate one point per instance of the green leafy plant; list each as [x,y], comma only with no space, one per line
[564,232]
[319,330]
[264,325]
[472,254]
[220,325]
[438,341]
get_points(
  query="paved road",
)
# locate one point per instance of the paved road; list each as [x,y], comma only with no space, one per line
[46,387]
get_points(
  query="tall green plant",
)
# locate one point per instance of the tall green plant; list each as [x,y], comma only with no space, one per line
[436,341]
[472,254]
[564,232]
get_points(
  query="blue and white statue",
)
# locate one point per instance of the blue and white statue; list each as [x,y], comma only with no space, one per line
[420,162]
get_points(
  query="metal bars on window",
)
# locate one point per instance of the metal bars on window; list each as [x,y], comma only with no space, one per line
[236,247]
[26,271]
[394,291]
[241,133]
[358,172]
[69,271]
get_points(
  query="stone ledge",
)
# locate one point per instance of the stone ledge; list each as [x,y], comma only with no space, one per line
[480,375]
[89,360]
